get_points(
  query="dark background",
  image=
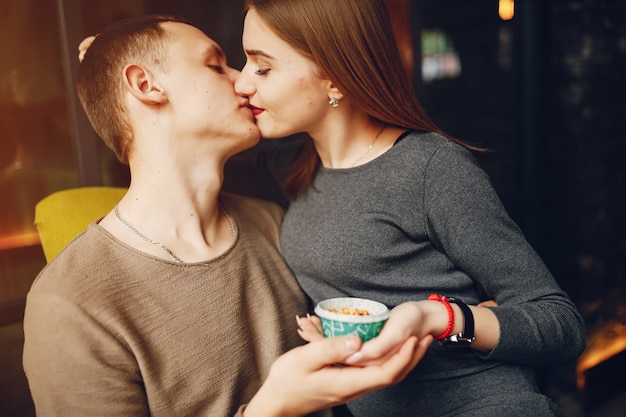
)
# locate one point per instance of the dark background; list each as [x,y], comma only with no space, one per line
[543,92]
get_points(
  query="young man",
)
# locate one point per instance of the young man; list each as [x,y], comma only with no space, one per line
[178,302]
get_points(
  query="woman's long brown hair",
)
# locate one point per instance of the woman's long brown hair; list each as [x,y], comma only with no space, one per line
[353,44]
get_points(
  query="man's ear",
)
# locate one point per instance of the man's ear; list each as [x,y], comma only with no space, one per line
[141,83]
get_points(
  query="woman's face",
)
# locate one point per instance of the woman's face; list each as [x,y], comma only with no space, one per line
[285,88]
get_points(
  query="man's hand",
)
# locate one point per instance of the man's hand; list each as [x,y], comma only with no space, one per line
[305,379]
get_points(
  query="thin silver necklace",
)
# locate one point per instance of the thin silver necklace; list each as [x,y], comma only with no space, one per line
[370,147]
[165,249]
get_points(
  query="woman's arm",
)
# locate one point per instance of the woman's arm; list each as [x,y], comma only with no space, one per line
[415,319]
[466,220]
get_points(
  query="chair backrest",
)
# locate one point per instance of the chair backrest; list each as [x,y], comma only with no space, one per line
[62,215]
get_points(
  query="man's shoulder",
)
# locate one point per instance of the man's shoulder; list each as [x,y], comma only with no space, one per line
[77,262]
[255,217]
[251,207]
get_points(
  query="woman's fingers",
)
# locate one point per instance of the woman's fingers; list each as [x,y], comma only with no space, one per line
[310,328]
[84,45]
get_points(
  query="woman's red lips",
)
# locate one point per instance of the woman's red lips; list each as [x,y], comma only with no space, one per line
[255,110]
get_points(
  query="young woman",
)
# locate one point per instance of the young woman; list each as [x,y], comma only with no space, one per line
[385,206]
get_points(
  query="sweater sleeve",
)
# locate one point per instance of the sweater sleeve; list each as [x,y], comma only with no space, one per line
[466,220]
[75,367]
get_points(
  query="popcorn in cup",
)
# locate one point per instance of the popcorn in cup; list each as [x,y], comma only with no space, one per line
[350,315]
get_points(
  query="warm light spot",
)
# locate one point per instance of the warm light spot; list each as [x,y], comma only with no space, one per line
[18,241]
[604,343]
[506,9]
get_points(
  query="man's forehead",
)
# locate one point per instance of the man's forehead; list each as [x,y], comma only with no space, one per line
[190,35]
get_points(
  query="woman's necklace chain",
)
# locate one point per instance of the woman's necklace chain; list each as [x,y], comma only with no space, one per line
[154,242]
[370,147]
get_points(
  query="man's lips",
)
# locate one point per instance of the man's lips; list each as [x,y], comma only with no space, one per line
[255,110]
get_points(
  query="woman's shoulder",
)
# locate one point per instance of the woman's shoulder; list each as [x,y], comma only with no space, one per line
[427,148]
[431,142]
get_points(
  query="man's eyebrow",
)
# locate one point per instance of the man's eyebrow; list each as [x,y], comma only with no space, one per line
[214,50]
[257,52]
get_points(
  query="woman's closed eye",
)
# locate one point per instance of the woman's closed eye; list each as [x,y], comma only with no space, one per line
[262,71]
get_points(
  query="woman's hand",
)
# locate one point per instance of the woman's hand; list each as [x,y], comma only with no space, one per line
[409,319]
[421,318]
[403,323]
[412,319]
[84,45]
[310,328]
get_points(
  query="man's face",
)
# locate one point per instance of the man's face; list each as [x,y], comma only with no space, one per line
[200,90]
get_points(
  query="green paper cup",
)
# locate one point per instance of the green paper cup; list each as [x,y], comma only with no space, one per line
[336,323]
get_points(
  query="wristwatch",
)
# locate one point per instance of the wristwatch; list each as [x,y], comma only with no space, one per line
[466,337]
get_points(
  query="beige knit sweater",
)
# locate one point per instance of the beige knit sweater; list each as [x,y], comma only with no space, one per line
[111,331]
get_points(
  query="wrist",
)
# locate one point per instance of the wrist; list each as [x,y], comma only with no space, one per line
[459,331]
[441,317]
[263,405]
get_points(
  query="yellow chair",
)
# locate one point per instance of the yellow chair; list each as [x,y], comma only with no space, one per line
[62,215]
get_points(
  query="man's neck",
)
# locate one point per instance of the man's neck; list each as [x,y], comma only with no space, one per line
[177,207]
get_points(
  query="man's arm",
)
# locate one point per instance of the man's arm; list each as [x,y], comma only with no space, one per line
[74,366]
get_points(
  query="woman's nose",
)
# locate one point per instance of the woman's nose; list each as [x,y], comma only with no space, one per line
[242,85]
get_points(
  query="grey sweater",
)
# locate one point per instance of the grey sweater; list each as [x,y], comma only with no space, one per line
[424,218]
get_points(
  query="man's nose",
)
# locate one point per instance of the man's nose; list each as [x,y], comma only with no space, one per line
[233,74]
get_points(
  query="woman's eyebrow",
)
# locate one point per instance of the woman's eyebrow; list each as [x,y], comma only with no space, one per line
[258,52]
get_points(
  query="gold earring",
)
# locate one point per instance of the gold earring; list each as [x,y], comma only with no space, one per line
[334,102]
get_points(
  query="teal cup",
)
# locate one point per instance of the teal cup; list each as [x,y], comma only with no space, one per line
[336,323]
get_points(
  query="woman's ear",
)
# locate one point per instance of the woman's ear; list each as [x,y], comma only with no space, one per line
[141,84]
[333,91]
